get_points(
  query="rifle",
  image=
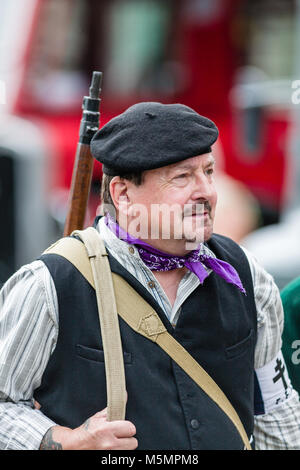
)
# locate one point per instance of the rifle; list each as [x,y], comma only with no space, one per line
[84,162]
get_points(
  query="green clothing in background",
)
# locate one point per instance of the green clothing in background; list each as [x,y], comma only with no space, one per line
[290,296]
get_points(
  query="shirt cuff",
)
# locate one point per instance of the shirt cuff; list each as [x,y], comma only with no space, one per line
[280,428]
[28,429]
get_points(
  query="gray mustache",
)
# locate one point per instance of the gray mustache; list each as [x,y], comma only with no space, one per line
[196,209]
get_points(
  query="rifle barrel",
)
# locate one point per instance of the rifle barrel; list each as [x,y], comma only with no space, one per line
[84,163]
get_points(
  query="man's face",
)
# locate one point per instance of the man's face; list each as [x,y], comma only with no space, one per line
[175,203]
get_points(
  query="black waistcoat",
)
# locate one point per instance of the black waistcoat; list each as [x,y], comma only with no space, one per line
[217,325]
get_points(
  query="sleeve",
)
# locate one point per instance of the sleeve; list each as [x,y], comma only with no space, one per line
[28,334]
[277,406]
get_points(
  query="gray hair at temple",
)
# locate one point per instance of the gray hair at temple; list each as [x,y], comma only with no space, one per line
[107,205]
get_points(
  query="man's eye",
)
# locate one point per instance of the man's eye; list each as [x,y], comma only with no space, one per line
[182,175]
[210,171]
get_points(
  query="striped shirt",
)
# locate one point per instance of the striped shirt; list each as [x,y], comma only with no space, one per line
[29,328]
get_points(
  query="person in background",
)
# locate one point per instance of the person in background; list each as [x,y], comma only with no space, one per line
[290,296]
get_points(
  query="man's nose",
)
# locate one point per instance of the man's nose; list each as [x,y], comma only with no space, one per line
[203,189]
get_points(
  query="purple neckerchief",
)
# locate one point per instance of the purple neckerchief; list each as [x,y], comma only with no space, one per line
[157,260]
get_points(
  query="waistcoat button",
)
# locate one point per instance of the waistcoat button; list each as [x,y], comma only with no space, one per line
[195,423]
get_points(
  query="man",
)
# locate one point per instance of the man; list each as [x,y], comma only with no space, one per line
[210,294]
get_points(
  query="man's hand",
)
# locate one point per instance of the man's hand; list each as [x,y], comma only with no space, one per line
[94,434]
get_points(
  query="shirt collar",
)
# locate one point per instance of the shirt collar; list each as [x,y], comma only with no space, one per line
[120,247]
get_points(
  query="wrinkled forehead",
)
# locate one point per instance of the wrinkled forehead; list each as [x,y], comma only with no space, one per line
[192,163]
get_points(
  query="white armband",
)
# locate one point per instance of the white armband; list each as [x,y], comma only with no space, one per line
[272,385]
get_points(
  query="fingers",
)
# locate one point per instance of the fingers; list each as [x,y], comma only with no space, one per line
[126,444]
[101,414]
[123,428]
[98,433]
[119,428]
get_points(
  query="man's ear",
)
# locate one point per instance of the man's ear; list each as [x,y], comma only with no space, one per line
[119,193]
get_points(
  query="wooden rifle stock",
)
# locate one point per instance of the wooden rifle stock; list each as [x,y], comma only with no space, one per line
[84,162]
[80,189]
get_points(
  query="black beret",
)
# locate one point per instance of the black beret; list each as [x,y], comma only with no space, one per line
[151,135]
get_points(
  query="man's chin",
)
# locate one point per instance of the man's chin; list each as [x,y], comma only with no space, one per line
[198,238]
[208,233]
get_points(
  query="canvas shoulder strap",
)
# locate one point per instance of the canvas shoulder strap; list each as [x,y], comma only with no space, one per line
[90,258]
[142,318]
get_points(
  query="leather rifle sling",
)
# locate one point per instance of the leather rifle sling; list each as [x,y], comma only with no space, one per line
[144,320]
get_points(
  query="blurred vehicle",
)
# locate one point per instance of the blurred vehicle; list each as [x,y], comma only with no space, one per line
[216,56]
[277,246]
